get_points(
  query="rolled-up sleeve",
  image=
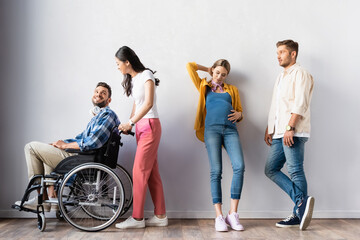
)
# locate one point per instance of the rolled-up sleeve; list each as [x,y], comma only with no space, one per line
[303,89]
[192,70]
[69,140]
[99,134]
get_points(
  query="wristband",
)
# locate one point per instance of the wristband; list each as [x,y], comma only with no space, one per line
[131,123]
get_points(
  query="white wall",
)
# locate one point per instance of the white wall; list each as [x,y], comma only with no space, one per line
[54,52]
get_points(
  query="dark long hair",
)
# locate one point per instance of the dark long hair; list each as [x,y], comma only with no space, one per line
[127,54]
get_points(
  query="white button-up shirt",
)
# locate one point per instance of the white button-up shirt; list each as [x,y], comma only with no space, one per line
[292,94]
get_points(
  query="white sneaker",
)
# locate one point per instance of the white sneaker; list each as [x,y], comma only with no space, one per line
[233,221]
[156,222]
[32,204]
[54,204]
[54,207]
[130,223]
[220,224]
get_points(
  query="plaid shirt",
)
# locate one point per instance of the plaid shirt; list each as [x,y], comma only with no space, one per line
[97,131]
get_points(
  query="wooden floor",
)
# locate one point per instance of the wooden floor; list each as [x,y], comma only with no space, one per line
[255,229]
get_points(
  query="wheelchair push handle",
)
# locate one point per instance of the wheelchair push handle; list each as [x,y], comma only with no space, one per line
[130,133]
[122,132]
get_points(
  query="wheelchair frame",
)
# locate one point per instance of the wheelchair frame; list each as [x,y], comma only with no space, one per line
[93,190]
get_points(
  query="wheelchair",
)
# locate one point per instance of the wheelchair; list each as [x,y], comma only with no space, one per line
[92,189]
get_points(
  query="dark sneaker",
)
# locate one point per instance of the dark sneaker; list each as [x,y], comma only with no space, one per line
[305,211]
[290,221]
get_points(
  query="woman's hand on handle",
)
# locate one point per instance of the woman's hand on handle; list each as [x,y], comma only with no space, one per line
[125,127]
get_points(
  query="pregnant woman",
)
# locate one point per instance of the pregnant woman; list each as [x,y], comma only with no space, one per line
[219,109]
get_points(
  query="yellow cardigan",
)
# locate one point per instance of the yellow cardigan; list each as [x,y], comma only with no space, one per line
[201,84]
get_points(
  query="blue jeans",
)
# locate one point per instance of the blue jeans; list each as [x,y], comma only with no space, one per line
[295,186]
[216,137]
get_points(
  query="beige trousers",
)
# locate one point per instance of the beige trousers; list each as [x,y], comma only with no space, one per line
[42,158]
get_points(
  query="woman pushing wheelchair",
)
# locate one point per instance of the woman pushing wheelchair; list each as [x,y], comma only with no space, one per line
[141,84]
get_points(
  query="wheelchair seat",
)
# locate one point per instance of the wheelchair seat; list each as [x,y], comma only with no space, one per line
[107,155]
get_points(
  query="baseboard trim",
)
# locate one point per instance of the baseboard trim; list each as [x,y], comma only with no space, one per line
[204,214]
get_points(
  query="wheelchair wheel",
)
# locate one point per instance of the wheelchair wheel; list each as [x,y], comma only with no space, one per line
[126,180]
[41,222]
[58,215]
[91,197]
[127,184]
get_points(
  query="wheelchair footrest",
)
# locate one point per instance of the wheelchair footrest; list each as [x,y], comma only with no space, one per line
[17,207]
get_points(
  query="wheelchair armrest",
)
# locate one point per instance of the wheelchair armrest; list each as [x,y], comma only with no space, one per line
[72,150]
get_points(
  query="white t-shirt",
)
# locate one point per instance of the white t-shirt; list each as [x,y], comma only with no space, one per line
[138,92]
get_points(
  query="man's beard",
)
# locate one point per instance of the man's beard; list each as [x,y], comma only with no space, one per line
[100,104]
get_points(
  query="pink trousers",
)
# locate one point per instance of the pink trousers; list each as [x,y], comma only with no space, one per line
[146,169]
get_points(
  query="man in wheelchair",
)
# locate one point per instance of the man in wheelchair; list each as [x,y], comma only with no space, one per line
[42,158]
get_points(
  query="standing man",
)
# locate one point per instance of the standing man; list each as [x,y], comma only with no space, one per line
[287,131]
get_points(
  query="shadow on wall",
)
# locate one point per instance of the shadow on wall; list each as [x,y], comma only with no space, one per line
[251,135]
[127,152]
[330,149]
